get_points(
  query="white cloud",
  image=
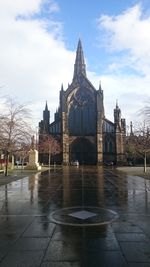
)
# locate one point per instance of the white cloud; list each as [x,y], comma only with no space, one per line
[9,9]
[127,78]
[33,61]
[129,32]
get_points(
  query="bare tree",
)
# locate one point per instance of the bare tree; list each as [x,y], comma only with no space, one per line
[22,153]
[50,146]
[138,144]
[14,128]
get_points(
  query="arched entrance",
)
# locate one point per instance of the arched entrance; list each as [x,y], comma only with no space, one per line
[83,151]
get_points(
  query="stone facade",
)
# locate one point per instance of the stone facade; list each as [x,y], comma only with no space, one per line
[84,132]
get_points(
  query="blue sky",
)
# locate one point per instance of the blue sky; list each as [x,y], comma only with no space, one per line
[39,40]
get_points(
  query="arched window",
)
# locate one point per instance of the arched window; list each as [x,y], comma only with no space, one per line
[82,114]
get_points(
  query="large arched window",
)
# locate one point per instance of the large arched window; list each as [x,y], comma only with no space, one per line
[82,114]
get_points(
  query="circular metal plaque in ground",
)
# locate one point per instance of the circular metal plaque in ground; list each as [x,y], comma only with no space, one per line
[83,216]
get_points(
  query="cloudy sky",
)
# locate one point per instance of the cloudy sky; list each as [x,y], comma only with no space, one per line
[38,41]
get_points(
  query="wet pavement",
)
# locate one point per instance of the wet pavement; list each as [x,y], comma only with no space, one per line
[30,237]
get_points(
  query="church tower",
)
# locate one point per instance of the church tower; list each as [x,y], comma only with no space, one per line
[80,124]
[44,130]
[46,119]
[44,124]
[82,116]
[120,133]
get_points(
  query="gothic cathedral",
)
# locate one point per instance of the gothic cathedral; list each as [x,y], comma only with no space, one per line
[80,125]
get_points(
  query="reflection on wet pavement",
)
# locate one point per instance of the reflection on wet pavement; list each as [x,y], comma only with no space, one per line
[30,238]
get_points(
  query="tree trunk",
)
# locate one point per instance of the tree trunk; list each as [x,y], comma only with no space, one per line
[12,162]
[49,159]
[145,162]
[22,164]
[6,163]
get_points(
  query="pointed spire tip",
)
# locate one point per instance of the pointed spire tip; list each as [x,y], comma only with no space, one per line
[117,103]
[46,106]
[79,66]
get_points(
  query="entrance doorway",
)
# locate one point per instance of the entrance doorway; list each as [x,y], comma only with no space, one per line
[83,151]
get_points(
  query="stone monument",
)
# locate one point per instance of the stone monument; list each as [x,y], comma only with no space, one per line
[33,157]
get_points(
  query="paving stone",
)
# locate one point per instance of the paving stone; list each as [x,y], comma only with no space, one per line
[102,244]
[7,241]
[125,227]
[31,244]
[63,233]
[14,224]
[145,225]
[104,231]
[62,251]
[40,230]
[23,259]
[105,259]
[138,237]
[136,251]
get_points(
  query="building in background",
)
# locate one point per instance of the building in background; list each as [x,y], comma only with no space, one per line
[84,133]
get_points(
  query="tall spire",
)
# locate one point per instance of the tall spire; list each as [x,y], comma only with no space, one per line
[117,113]
[46,115]
[46,106]
[79,66]
[131,128]
[100,86]
[117,104]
